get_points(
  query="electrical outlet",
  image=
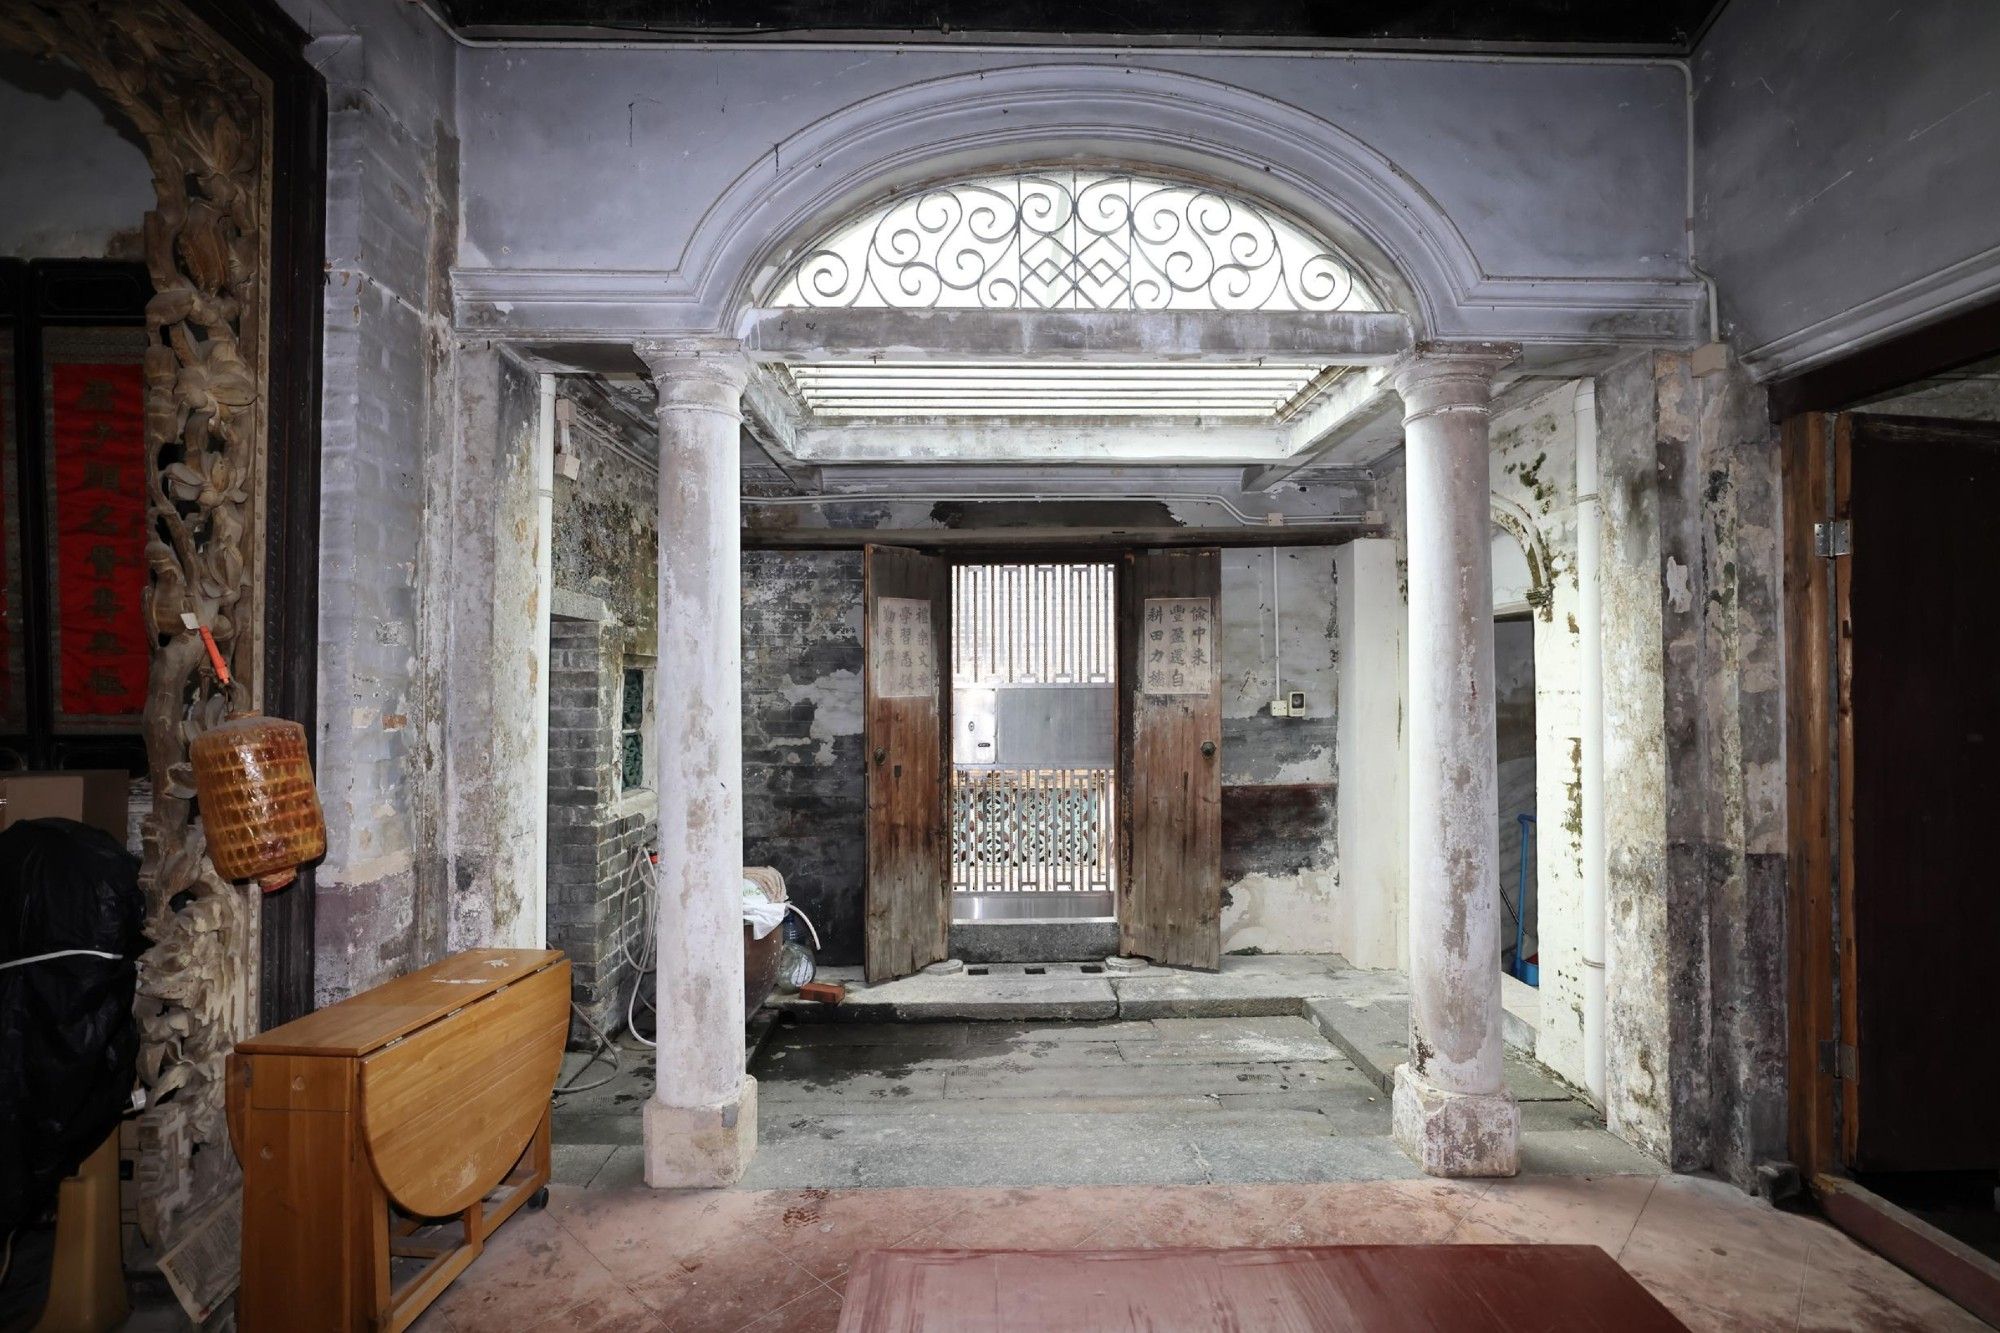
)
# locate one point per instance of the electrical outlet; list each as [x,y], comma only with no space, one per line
[1297,704]
[1281,708]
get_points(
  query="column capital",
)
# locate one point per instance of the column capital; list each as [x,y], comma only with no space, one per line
[696,372]
[1435,377]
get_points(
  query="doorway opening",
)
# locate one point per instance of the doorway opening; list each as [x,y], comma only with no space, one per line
[1034,768]
[1514,744]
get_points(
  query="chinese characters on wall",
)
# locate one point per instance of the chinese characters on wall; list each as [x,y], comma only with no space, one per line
[1177,646]
[905,652]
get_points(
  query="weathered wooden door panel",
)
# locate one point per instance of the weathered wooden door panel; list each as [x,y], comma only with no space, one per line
[1924,638]
[906,680]
[1170,737]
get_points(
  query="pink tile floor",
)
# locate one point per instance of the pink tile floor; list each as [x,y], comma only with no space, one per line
[611,1260]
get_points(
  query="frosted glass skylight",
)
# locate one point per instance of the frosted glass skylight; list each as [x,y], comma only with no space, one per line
[887,390]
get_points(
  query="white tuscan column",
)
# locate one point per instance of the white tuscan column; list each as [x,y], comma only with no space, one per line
[701,1122]
[1453,1114]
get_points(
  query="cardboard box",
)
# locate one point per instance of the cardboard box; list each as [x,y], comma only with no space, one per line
[95,796]
[40,796]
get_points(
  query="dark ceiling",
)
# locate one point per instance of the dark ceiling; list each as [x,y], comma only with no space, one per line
[1579,25]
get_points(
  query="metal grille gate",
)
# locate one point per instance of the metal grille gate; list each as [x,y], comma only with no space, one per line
[1034,772]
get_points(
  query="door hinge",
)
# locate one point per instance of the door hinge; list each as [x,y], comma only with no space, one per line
[1838,1059]
[1833,538]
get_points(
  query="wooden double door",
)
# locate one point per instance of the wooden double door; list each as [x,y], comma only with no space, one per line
[1169,746]
[1894,641]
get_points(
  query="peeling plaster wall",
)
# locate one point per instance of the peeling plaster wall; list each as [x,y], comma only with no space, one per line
[804,788]
[1638,1042]
[72,169]
[1694,766]
[1534,502]
[392,208]
[1280,851]
[481,596]
[1822,136]
[1726,834]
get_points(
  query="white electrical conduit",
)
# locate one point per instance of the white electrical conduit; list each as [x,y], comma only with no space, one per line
[1590,688]
[1277,634]
[537,915]
[62,953]
[898,497]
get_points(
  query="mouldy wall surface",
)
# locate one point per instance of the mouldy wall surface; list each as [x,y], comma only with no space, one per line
[606,522]
[804,791]
[392,207]
[1280,850]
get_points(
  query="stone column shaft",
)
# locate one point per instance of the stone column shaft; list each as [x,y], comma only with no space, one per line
[1452,1111]
[701,1122]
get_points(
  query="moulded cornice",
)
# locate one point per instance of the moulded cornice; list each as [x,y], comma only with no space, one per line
[1177,123]
[1931,297]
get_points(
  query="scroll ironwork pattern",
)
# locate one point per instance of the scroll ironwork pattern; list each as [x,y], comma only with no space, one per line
[1074,239]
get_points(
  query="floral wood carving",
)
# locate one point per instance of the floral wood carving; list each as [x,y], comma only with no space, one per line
[205,118]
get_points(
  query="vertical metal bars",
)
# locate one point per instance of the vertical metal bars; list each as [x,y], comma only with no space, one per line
[1033,830]
[1041,624]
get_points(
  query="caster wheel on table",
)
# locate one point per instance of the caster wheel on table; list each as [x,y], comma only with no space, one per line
[539,1199]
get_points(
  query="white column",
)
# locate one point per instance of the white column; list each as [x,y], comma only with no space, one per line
[1452,1113]
[701,1122]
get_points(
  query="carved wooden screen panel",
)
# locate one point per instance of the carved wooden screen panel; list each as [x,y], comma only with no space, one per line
[205,112]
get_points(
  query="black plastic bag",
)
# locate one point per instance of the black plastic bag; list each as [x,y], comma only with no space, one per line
[68,1041]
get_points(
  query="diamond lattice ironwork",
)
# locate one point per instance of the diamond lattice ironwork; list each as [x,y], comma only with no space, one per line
[1074,239]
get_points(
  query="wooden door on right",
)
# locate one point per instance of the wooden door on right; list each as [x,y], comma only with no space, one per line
[1170,739]
[1923,630]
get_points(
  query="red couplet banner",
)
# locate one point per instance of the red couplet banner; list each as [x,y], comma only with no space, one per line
[98,460]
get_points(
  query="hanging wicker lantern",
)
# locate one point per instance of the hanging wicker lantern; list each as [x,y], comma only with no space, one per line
[259,807]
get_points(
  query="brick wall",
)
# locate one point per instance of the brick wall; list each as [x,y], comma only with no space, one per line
[594,829]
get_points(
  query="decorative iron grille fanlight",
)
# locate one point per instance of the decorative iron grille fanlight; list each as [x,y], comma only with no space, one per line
[1074,239]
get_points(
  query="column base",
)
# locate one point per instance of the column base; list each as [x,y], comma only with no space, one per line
[1456,1133]
[701,1147]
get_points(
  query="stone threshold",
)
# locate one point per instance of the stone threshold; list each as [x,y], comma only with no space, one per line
[1366,1014]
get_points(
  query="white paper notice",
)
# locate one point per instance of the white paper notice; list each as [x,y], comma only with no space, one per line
[905,657]
[1177,646]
